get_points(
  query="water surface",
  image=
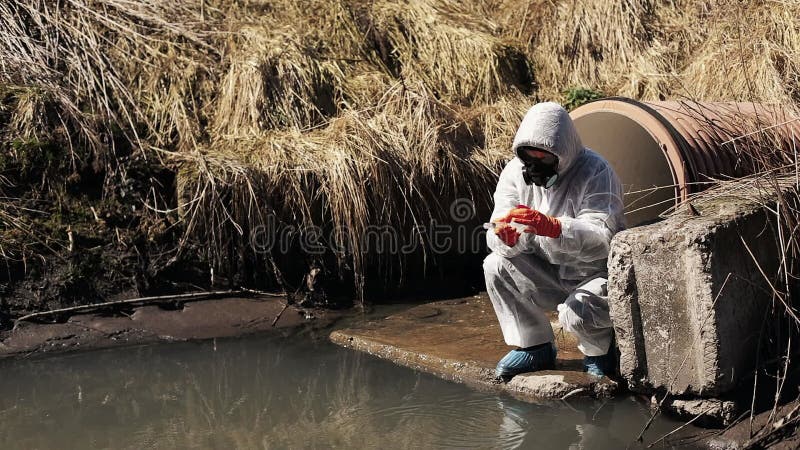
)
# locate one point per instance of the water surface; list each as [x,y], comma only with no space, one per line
[276,392]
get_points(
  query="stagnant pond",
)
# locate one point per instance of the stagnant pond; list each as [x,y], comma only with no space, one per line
[277,392]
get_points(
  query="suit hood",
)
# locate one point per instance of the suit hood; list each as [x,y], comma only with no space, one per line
[547,126]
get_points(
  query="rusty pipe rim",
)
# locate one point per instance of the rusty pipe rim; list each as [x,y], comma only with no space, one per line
[673,145]
[695,137]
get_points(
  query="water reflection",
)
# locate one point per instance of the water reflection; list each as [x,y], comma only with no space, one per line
[269,393]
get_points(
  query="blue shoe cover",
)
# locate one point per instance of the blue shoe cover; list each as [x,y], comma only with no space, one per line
[599,366]
[540,357]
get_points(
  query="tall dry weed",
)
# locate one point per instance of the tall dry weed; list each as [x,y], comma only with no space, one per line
[400,165]
[354,113]
[457,56]
[103,66]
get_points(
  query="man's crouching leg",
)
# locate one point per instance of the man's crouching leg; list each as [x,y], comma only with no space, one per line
[519,288]
[585,313]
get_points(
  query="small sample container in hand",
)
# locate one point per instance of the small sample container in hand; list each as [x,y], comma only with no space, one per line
[517,226]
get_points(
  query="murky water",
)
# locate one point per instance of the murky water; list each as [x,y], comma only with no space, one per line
[281,393]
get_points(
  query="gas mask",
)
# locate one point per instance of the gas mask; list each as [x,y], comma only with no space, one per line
[538,171]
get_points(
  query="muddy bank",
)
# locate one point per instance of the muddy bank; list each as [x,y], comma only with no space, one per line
[777,431]
[203,319]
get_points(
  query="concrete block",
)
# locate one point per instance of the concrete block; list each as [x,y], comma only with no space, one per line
[688,300]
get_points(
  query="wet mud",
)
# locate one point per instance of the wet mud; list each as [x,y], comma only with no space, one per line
[196,320]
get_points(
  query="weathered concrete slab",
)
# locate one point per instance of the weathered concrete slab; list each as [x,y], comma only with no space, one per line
[460,340]
[686,297]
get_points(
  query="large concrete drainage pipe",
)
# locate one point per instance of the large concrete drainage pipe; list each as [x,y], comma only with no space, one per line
[664,151]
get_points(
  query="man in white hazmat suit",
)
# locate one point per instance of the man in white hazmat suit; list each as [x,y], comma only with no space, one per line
[557,206]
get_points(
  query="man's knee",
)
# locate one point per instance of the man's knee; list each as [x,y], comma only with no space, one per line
[571,313]
[493,265]
[584,309]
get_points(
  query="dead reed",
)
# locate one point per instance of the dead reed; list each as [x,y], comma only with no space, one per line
[79,70]
[400,164]
[347,113]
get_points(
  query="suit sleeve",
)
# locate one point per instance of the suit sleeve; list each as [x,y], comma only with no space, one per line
[506,198]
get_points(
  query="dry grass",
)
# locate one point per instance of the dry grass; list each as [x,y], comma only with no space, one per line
[590,43]
[454,54]
[94,66]
[753,46]
[350,113]
[273,82]
[410,154]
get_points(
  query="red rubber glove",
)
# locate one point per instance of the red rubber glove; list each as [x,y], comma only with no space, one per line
[537,223]
[507,234]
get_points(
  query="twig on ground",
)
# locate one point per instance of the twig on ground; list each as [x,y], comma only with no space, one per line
[573,393]
[263,293]
[755,373]
[792,418]
[278,316]
[143,300]
[695,418]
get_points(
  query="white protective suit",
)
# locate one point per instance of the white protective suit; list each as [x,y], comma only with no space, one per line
[567,273]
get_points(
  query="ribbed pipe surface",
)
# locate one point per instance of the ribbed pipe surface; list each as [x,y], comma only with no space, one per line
[694,142]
